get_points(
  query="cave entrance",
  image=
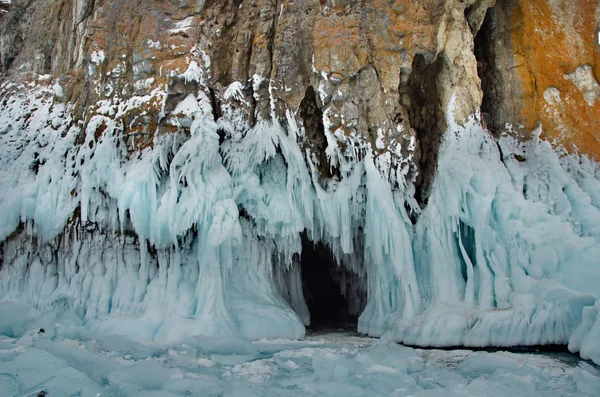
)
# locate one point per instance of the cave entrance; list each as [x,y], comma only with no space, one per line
[334,295]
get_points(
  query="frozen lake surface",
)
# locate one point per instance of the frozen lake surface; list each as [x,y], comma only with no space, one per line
[324,364]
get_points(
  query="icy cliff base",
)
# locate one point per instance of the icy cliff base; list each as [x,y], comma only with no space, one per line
[200,233]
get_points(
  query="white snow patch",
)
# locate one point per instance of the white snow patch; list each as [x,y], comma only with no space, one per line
[97,57]
[235,91]
[183,25]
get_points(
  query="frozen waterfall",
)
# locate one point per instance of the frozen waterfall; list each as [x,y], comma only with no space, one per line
[202,234]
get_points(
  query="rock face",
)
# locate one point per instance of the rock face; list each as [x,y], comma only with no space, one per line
[383,71]
[541,62]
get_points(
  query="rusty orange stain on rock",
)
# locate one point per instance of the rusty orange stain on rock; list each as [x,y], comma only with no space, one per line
[339,46]
[551,39]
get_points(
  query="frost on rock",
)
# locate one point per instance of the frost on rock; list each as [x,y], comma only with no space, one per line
[201,232]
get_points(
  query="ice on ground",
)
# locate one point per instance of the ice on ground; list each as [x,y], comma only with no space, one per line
[224,350]
[321,365]
[13,318]
[122,345]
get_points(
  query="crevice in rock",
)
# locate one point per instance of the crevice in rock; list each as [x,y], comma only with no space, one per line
[312,119]
[4,7]
[426,117]
[214,104]
[476,12]
[216,112]
[272,32]
[488,72]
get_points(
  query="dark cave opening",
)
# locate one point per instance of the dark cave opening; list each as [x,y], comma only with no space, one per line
[333,294]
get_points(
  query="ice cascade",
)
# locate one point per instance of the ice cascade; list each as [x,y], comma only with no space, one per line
[200,233]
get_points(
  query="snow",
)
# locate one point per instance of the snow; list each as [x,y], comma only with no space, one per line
[584,80]
[182,26]
[58,90]
[97,57]
[235,91]
[379,143]
[199,234]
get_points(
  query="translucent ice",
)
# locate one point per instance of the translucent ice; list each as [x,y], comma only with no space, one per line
[199,234]
[326,364]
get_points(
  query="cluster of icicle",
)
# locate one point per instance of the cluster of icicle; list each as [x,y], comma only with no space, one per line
[193,236]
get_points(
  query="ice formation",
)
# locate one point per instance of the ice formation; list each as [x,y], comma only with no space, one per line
[200,233]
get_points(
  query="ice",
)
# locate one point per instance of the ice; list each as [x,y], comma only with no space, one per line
[147,375]
[223,346]
[585,338]
[127,347]
[500,267]
[333,389]
[13,318]
[36,370]
[325,364]
[586,377]
[199,234]
[94,366]
[489,363]
[229,351]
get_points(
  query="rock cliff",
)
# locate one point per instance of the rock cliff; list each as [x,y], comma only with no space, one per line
[383,71]
[541,65]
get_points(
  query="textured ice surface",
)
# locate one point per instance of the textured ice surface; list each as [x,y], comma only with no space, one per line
[504,252]
[321,365]
[200,233]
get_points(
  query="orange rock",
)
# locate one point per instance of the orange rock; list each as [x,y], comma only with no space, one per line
[339,46]
[557,59]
